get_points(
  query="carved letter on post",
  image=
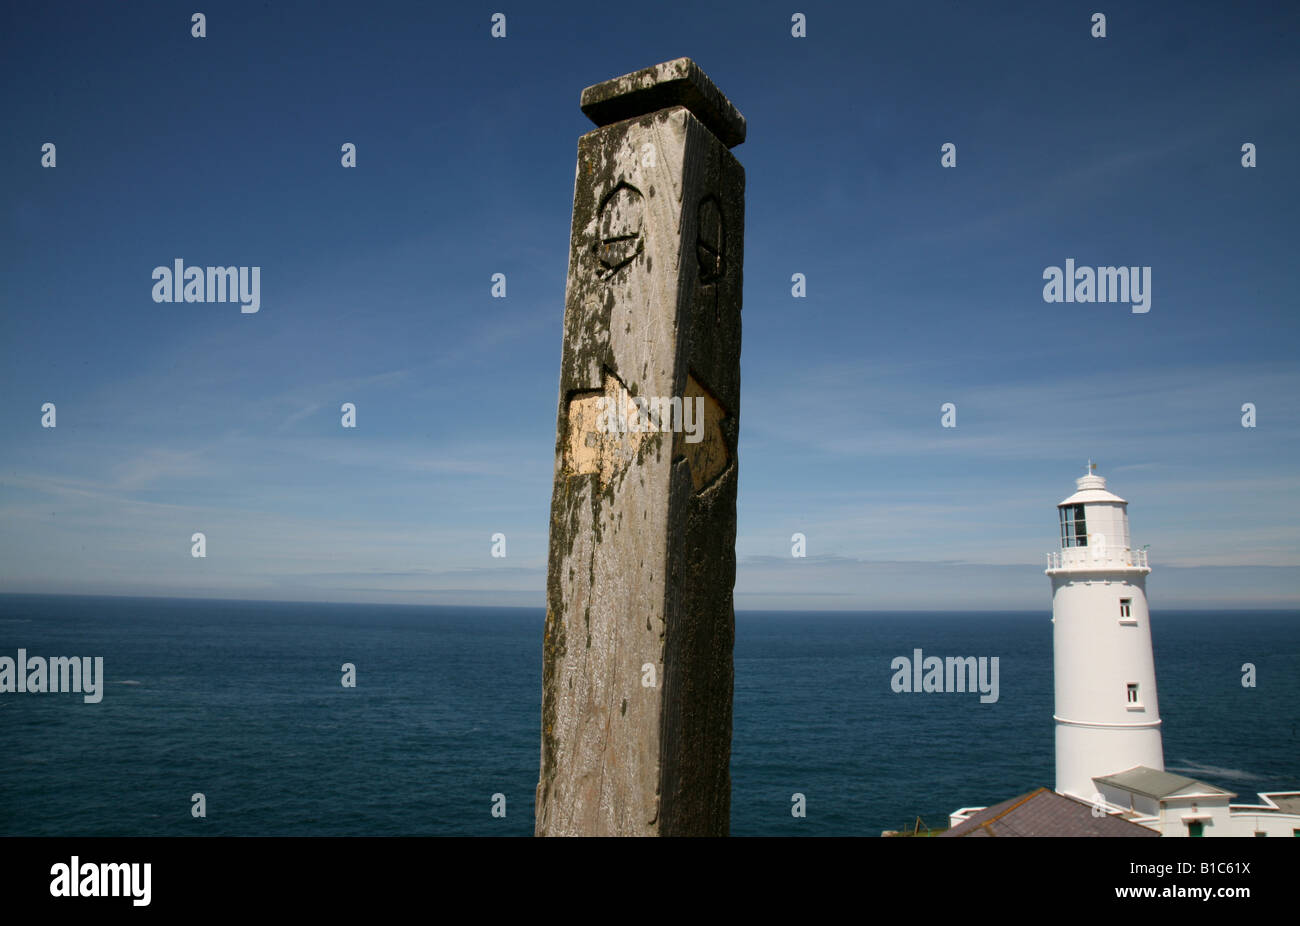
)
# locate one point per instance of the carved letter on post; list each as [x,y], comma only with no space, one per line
[643,518]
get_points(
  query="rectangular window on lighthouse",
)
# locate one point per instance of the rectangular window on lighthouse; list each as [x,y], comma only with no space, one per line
[1133,694]
[1074,530]
[1124,607]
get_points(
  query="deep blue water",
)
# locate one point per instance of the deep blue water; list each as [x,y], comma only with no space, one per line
[242,701]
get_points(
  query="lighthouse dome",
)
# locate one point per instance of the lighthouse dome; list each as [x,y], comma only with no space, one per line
[1091,488]
[1094,528]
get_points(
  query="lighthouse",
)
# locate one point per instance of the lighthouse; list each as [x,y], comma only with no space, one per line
[1107,715]
[1110,763]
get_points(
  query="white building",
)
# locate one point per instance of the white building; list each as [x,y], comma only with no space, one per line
[1108,741]
[1179,806]
[1107,713]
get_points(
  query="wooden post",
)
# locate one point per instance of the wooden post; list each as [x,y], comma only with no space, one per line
[637,676]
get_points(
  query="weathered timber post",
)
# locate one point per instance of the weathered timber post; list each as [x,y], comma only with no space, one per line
[637,675]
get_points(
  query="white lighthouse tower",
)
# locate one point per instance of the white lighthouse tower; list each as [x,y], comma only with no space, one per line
[1107,716]
[1108,749]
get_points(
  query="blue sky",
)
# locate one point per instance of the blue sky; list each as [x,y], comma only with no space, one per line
[924,287]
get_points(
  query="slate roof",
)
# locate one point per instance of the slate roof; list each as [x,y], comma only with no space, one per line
[1286,801]
[1156,784]
[1045,813]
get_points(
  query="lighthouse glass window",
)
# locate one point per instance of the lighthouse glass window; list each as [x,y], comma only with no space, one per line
[1074,531]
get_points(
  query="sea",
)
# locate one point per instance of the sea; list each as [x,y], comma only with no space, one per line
[242,702]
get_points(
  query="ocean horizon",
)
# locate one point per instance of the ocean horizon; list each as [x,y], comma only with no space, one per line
[242,702]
